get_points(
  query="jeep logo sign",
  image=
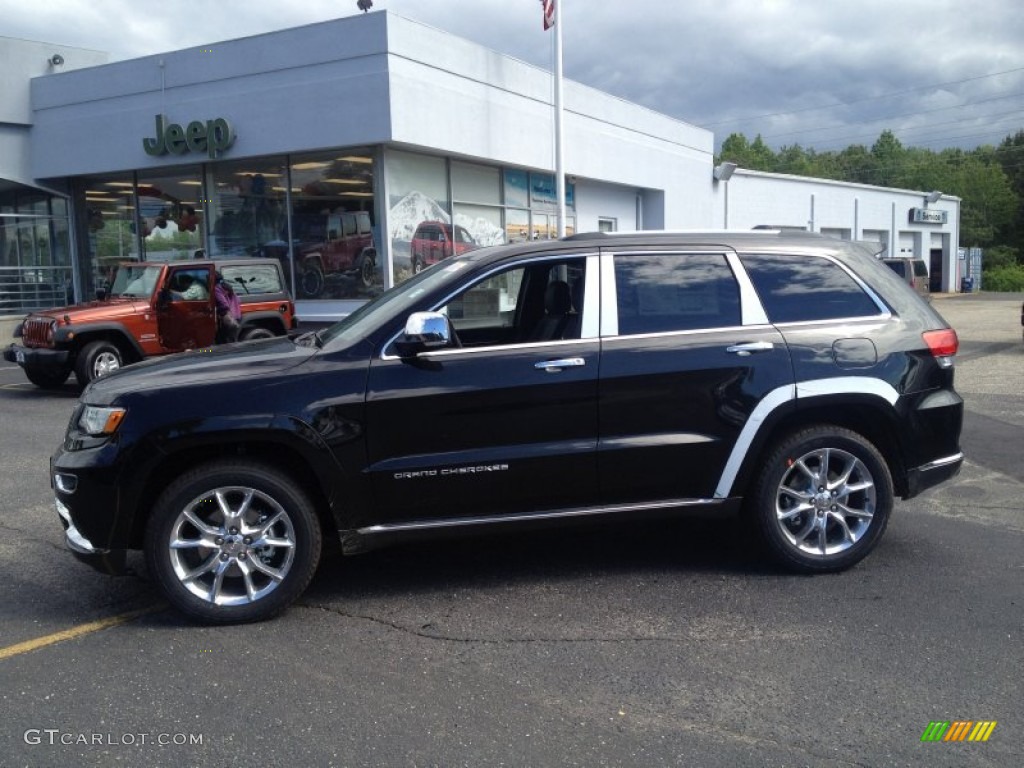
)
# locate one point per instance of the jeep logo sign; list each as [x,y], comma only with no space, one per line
[212,137]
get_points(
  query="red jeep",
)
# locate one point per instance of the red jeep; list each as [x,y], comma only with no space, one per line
[337,244]
[152,308]
[434,240]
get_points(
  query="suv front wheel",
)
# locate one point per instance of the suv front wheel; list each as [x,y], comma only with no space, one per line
[822,499]
[233,541]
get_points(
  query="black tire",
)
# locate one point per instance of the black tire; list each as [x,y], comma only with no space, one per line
[822,499]
[367,270]
[256,332]
[224,576]
[47,379]
[97,358]
[312,281]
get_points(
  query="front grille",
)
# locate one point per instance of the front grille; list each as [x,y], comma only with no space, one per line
[36,332]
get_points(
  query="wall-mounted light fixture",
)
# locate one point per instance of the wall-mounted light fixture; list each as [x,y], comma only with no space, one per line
[932,197]
[56,60]
[723,171]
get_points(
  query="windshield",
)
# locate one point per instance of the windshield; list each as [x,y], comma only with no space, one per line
[393,302]
[135,280]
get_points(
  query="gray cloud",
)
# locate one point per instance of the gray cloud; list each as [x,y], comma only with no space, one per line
[820,74]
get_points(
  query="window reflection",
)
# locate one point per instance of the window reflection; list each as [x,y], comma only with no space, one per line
[658,293]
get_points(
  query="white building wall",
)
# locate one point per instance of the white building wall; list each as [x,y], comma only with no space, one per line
[20,61]
[751,199]
[462,99]
[596,201]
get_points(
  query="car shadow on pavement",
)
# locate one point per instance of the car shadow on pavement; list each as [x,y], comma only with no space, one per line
[694,545]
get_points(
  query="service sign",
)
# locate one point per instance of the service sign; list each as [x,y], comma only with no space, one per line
[927,216]
[212,137]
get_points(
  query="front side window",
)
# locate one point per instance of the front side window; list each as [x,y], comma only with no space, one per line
[665,292]
[806,288]
[535,302]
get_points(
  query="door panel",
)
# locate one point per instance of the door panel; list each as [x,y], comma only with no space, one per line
[483,432]
[508,422]
[680,372]
[672,407]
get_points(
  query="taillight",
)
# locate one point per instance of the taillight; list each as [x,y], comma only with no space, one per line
[942,344]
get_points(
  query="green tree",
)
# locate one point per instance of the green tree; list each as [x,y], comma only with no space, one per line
[890,157]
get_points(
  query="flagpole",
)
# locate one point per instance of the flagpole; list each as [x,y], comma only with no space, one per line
[559,136]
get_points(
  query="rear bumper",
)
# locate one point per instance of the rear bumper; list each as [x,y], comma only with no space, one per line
[934,472]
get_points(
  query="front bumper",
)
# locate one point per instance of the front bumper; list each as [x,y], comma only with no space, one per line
[109,561]
[37,359]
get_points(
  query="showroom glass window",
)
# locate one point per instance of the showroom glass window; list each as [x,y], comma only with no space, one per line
[476,192]
[418,202]
[248,211]
[109,213]
[35,264]
[333,227]
[662,293]
[170,215]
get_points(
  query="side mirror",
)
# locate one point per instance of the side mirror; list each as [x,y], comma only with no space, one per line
[425,331]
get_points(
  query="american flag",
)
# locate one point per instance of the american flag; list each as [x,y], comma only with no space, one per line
[549,13]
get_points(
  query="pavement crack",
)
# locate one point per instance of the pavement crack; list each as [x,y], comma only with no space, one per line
[422,632]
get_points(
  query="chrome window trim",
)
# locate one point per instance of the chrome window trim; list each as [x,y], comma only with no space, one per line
[752,311]
[589,260]
[458,522]
[456,351]
[732,329]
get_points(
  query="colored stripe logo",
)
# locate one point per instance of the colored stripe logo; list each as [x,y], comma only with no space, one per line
[958,730]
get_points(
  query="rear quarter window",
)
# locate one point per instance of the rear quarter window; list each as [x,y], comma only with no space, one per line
[249,279]
[806,288]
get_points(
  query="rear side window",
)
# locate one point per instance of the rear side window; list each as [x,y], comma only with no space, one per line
[899,267]
[248,279]
[804,288]
[920,270]
[658,293]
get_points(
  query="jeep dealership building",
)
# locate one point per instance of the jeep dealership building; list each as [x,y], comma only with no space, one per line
[351,147]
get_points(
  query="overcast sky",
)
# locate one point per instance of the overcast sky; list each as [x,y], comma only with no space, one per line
[820,73]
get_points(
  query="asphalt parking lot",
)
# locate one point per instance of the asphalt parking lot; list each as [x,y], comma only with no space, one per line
[664,645]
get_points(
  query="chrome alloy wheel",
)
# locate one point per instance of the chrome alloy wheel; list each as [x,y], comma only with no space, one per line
[825,502]
[232,546]
[105,362]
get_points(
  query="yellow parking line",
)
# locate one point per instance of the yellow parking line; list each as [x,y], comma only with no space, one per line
[70,634]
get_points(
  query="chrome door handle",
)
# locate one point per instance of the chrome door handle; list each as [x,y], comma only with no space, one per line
[744,350]
[554,366]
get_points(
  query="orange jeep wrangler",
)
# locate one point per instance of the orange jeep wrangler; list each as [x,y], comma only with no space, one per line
[151,308]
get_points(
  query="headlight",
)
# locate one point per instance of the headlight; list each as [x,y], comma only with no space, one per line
[97,421]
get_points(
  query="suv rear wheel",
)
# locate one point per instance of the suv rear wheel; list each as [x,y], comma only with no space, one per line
[97,358]
[233,541]
[823,499]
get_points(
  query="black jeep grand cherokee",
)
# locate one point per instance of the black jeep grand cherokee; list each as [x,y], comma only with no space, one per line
[591,378]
